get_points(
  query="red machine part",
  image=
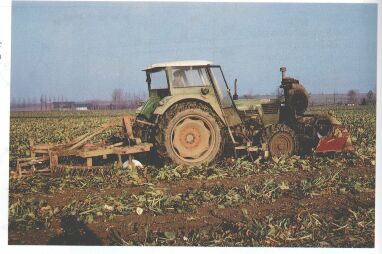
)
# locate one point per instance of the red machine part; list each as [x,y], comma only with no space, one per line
[337,140]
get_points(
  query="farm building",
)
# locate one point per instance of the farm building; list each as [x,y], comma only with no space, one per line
[70,105]
[63,105]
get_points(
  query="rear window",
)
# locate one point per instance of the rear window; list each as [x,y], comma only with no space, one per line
[158,80]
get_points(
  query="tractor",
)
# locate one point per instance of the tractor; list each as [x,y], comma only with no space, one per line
[191,117]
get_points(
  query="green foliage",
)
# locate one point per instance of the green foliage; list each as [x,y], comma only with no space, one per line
[265,203]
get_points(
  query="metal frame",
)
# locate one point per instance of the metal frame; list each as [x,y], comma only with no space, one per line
[80,148]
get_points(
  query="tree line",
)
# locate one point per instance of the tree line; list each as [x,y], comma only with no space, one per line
[119,99]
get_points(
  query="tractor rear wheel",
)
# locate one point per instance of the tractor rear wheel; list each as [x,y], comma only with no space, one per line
[190,135]
[281,140]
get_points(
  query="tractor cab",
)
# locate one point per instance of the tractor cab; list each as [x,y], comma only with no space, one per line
[172,78]
[172,82]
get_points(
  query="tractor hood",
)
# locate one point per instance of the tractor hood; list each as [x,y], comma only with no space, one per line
[252,104]
[267,109]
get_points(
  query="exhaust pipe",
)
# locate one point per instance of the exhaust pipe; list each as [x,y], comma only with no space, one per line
[283,70]
[235,96]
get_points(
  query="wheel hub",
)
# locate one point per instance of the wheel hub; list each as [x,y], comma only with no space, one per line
[191,138]
[281,144]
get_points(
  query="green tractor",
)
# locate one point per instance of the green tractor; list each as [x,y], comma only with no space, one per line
[191,117]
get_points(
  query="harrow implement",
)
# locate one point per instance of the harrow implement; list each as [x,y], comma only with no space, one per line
[79,153]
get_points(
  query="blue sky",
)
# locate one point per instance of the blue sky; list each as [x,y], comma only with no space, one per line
[84,50]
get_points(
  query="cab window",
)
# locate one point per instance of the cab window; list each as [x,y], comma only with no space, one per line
[157,79]
[221,87]
[189,77]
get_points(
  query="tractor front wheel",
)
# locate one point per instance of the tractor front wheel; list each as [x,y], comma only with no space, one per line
[281,140]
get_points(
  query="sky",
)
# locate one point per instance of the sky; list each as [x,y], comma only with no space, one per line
[84,50]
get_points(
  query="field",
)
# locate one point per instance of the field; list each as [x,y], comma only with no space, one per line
[315,201]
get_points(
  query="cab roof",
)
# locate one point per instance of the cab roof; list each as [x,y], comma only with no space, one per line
[179,64]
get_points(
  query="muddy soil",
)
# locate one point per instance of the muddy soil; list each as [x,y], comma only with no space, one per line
[209,217]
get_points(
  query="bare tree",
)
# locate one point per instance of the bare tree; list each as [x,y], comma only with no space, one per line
[370,97]
[28,102]
[352,95]
[41,101]
[117,97]
[334,97]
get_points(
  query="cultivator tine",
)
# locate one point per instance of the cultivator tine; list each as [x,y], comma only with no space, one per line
[52,172]
[62,170]
[18,167]
[128,128]
[56,171]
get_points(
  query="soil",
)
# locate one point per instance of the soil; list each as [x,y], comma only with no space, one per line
[180,186]
[210,216]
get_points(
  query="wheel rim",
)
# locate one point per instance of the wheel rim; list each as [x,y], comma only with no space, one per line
[281,144]
[192,138]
